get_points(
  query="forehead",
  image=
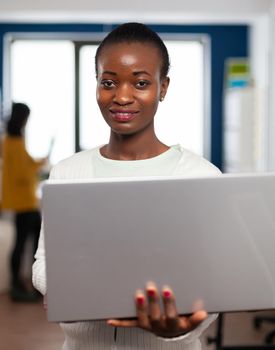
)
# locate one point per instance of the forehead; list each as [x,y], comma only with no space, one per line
[129,55]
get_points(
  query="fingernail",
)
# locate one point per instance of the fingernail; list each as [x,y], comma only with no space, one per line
[140,300]
[167,293]
[151,292]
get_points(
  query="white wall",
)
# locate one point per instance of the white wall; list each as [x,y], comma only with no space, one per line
[259,53]
[271,119]
[6,242]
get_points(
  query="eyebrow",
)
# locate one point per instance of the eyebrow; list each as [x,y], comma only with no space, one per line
[135,73]
[141,72]
[109,72]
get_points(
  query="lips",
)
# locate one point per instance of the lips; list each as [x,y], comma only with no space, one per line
[123,115]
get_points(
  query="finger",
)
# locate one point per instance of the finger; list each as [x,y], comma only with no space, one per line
[187,323]
[170,309]
[142,313]
[123,323]
[198,317]
[154,305]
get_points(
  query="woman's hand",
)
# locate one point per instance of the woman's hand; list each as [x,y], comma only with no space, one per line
[149,315]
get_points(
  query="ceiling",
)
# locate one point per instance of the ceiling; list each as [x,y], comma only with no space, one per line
[142,10]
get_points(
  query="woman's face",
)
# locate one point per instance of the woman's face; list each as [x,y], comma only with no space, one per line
[129,86]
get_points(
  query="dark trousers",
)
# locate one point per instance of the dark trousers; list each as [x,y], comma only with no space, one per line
[27,225]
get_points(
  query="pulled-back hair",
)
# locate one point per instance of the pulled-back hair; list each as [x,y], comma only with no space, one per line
[135,33]
[18,118]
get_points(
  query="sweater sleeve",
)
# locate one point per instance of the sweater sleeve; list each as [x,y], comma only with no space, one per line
[39,267]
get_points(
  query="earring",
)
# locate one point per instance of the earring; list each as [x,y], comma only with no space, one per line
[161,98]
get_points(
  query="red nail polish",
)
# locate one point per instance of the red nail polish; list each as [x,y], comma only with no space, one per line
[140,300]
[167,294]
[151,292]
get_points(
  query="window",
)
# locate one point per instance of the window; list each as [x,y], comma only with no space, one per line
[42,76]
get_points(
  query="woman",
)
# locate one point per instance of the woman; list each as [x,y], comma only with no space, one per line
[20,174]
[132,64]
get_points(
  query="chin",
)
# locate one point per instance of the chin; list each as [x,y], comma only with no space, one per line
[122,128]
[124,132]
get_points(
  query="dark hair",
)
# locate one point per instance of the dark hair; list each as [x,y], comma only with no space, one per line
[136,32]
[18,118]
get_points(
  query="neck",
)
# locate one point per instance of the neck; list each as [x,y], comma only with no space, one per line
[132,147]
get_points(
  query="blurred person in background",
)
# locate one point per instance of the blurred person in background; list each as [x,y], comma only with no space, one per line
[19,188]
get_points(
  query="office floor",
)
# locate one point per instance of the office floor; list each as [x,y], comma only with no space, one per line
[24,327]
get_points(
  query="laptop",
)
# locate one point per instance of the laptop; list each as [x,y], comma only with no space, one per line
[211,239]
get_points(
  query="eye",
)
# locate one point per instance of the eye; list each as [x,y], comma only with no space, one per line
[142,84]
[107,84]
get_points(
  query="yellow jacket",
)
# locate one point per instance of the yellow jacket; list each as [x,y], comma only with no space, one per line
[20,175]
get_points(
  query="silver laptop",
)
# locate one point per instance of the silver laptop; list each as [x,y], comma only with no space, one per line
[211,239]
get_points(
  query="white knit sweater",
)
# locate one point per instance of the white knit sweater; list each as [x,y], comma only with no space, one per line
[90,164]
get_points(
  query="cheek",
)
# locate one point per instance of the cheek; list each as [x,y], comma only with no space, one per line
[98,96]
[149,98]
[152,109]
[101,97]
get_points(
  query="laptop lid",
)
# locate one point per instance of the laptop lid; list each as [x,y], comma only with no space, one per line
[211,239]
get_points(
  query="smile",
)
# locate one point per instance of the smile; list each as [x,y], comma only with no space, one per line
[123,116]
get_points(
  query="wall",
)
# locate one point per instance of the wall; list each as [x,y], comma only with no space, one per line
[271,119]
[260,61]
[6,243]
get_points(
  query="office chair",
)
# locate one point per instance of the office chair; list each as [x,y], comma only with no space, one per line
[258,320]
[218,339]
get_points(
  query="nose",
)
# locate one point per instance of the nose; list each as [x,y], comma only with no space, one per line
[123,94]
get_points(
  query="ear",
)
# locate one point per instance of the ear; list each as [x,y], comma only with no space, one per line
[164,87]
